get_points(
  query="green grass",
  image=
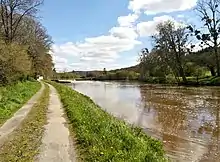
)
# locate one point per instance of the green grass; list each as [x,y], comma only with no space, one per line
[12,97]
[101,137]
[204,81]
[23,145]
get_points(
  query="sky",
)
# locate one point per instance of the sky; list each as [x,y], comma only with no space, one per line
[98,34]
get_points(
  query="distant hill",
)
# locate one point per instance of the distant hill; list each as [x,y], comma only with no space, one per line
[88,73]
[131,68]
[99,72]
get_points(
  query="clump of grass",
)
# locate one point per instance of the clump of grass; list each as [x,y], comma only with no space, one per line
[23,145]
[101,137]
[12,97]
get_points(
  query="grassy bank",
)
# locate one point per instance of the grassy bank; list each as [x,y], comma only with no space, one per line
[24,143]
[12,97]
[191,81]
[101,137]
[206,81]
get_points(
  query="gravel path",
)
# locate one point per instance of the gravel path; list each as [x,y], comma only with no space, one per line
[56,144]
[11,124]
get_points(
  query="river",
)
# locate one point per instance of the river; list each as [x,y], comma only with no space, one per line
[185,119]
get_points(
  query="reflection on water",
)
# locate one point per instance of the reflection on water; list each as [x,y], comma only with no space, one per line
[186,119]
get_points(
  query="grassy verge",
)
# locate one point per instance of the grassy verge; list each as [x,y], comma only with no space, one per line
[12,97]
[101,137]
[23,144]
[191,81]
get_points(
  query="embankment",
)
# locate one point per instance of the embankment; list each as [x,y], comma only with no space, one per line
[13,97]
[23,144]
[101,137]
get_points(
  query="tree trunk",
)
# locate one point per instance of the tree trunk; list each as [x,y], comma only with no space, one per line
[181,72]
[217,58]
[180,68]
[212,70]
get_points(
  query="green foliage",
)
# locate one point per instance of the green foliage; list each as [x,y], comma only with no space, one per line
[203,58]
[208,35]
[155,80]
[194,70]
[65,75]
[215,81]
[101,137]
[23,144]
[167,64]
[119,75]
[24,43]
[14,96]
[14,63]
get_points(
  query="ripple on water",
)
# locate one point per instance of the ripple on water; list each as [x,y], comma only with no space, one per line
[186,119]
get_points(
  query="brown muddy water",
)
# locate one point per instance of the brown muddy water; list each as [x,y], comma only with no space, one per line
[185,119]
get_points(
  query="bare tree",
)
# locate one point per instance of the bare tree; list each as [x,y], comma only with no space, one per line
[209,34]
[143,55]
[12,13]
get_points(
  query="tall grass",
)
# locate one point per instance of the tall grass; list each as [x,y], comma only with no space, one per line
[12,97]
[23,145]
[101,137]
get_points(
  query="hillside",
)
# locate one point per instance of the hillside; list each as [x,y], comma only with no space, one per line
[131,68]
[94,73]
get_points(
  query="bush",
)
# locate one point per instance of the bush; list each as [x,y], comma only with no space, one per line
[155,80]
[215,81]
[29,78]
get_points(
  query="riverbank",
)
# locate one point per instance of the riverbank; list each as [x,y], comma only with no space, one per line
[23,144]
[191,81]
[101,137]
[12,97]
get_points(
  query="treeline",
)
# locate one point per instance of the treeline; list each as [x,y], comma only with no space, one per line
[118,75]
[172,57]
[64,75]
[24,42]
[130,73]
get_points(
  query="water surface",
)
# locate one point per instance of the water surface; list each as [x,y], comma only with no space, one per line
[185,119]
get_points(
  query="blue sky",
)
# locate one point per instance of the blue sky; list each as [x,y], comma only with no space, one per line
[97,34]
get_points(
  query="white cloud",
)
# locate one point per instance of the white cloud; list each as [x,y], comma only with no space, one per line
[124,32]
[180,16]
[158,6]
[60,62]
[66,49]
[107,45]
[148,28]
[104,51]
[94,52]
[127,21]
[198,46]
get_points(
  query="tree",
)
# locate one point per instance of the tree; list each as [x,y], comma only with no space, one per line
[152,64]
[22,33]
[38,42]
[143,63]
[14,63]
[210,15]
[171,45]
[12,12]
[104,71]
[203,58]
